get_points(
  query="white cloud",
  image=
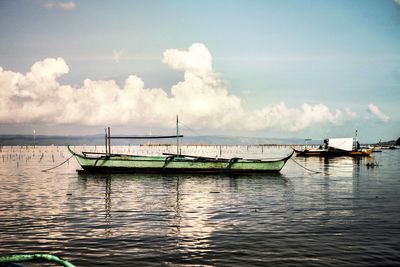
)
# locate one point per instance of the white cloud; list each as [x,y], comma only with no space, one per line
[295,119]
[350,114]
[60,5]
[197,60]
[201,99]
[378,113]
[50,5]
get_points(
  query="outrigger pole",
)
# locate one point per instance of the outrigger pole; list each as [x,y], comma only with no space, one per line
[146,137]
[108,138]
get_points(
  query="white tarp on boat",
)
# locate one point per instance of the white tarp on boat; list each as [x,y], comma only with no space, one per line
[341,143]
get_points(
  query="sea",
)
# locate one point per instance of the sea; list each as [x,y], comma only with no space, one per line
[316,212]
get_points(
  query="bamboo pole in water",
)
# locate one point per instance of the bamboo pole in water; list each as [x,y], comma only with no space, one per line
[177,135]
[105,136]
[109,140]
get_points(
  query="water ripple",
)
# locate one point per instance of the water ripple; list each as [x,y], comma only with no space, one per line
[347,215]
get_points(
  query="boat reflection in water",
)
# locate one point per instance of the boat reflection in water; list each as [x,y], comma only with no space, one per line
[335,167]
[182,212]
[332,190]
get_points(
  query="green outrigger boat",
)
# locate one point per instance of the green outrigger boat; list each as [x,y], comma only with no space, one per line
[174,163]
[169,163]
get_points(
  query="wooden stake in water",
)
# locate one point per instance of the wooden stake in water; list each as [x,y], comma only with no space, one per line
[106,140]
[34,138]
[177,135]
[109,140]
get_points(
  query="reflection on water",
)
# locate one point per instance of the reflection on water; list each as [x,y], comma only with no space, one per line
[186,210]
[107,204]
[335,166]
[345,215]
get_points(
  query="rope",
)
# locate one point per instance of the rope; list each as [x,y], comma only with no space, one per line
[232,161]
[196,133]
[190,129]
[304,167]
[167,161]
[58,164]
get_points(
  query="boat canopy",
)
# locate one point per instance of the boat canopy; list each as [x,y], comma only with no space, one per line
[341,143]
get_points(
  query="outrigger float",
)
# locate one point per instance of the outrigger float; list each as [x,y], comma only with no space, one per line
[170,163]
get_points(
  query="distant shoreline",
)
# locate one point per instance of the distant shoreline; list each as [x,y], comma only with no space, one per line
[45,140]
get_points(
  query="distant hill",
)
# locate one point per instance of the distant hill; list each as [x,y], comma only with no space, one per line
[390,143]
[99,140]
[50,140]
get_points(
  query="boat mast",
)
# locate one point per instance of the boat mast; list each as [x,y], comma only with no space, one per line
[357,144]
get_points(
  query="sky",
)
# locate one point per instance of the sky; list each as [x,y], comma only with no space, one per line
[290,69]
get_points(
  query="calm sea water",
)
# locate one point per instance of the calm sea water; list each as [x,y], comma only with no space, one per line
[346,215]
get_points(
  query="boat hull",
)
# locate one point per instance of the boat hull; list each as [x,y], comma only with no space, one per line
[175,164]
[332,153]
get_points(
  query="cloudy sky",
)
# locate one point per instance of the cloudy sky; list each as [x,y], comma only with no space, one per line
[306,69]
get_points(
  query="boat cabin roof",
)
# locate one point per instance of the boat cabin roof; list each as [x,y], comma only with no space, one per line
[341,143]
